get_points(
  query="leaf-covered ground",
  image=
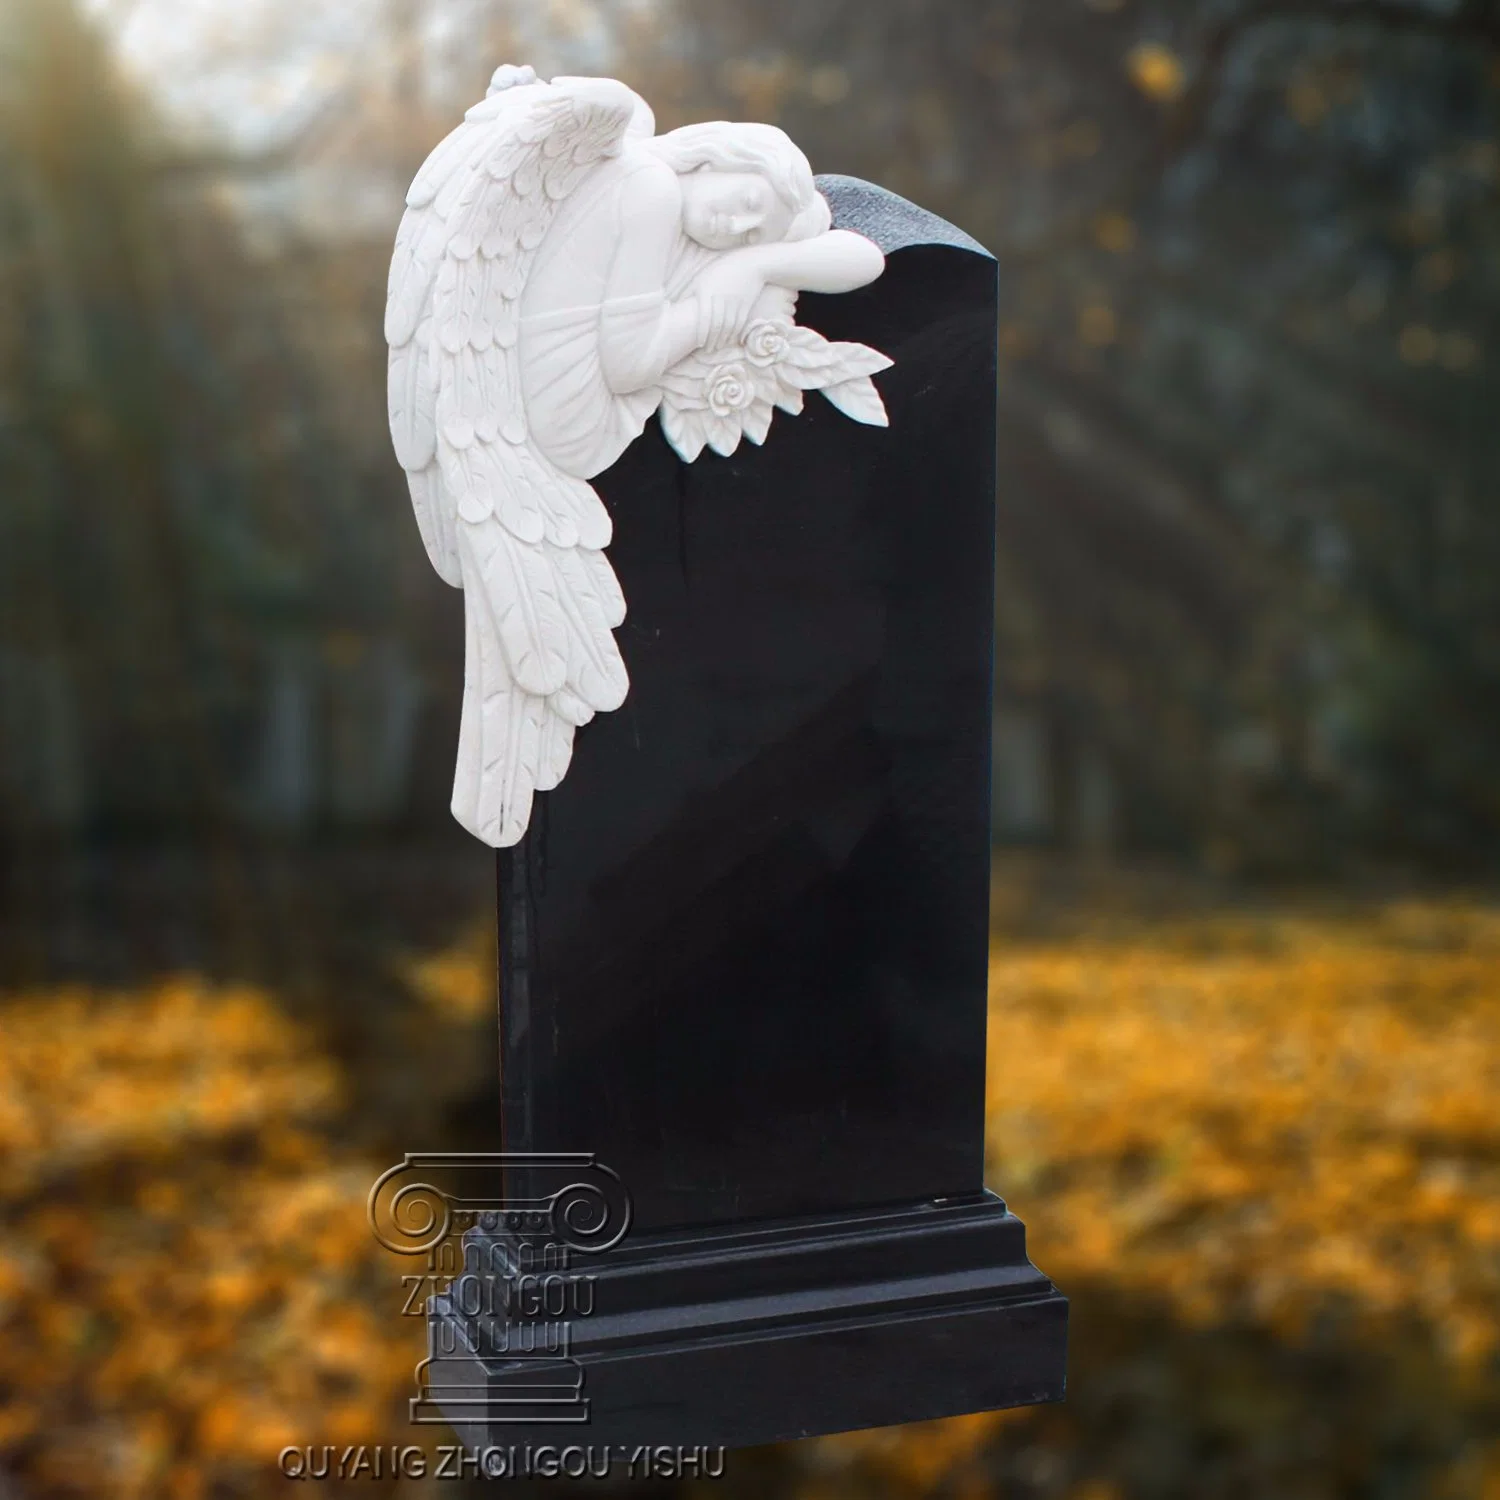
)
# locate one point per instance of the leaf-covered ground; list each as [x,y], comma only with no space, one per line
[1260,1151]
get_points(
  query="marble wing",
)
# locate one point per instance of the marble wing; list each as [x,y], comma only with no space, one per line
[522,539]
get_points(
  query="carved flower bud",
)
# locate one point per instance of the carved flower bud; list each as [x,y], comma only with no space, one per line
[729,391]
[766,342]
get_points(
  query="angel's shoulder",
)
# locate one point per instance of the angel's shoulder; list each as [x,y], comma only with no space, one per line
[648,186]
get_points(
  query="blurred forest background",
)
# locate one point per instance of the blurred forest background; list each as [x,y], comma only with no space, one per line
[1247,1004]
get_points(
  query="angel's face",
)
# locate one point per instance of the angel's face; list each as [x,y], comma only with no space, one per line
[723,210]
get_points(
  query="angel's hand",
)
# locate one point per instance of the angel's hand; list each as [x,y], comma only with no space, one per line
[723,321]
[728,294]
[777,302]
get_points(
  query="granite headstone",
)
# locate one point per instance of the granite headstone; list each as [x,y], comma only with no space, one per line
[744,947]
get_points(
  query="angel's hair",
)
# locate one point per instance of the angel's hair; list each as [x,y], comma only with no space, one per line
[721,146]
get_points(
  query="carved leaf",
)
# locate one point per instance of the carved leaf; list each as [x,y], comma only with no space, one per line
[853,360]
[724,434]
[758,421]
[812,363]
[859,399]
[685,429]
[778,362]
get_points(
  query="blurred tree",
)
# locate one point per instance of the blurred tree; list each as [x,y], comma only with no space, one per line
[1248,268]
[1249,277]
[185,553]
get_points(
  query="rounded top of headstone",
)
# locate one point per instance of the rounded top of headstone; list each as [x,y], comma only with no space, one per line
[890,220]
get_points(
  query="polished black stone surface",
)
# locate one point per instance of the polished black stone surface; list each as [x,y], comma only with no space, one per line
[744,945]
[753,1334]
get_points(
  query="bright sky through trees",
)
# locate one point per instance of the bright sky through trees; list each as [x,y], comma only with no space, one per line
[256,70]
[250,71]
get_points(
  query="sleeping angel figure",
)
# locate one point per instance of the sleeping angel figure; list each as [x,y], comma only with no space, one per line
[561,274]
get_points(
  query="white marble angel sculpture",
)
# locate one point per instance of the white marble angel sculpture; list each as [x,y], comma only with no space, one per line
[562,273]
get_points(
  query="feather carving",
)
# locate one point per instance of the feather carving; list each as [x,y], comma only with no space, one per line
[521,538]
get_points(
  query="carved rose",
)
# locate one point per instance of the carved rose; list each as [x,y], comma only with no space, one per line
[766,342]
[729,391]
[716,400]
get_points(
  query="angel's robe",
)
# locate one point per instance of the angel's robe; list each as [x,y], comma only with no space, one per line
[573,415]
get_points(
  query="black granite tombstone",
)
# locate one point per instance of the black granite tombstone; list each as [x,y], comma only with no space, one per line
[744,946]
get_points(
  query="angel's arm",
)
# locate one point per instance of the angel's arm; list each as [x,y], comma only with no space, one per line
[735,281]
[641,334]
[835,261]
